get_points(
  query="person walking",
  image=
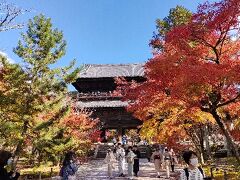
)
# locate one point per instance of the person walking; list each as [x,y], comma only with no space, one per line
[136,160]
[167,161]
[157,159]
[193,171]
[130,160]
[70,166]
[109,160]
[124,139]
[6,159]
[120,155]
[173,159]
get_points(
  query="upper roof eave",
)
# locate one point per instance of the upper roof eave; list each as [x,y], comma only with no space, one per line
[112,70]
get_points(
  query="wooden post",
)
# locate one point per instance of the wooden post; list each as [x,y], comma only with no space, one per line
[225,175]
[120,134]
[51,173]
[103,135]
[211,170]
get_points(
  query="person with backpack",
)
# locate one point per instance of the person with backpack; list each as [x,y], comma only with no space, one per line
[130,160]
[193,171]
[70,167]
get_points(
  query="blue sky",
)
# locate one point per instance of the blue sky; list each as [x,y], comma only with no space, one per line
[98,31]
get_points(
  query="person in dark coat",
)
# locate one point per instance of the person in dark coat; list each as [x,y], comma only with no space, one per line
[70,166]
[136,160]
[6,159]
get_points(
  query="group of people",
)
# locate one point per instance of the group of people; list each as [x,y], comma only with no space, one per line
[162,160]
[67,172]
[165,160]
[131,156]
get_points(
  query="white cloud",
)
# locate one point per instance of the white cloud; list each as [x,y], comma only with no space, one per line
[8,58]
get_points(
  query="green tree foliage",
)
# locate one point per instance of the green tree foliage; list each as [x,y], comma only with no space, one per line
[177,16]
[33,94]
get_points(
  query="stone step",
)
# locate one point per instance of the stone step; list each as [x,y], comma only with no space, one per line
[102,150]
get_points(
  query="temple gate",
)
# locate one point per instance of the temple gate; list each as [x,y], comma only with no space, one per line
[95,86]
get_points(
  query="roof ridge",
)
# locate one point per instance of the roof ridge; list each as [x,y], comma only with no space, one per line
[121,64]
[112,70]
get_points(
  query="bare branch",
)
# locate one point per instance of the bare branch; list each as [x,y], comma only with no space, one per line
[8,14]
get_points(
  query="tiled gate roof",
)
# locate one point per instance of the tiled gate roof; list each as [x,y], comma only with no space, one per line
[112,70]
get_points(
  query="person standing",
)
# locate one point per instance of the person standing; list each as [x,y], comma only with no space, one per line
[167,161]
[136,160]
[157,159]
[6,159]
[173,159]
[120,155]
[124,139]
[193,171]
[109,160]
[130,160]
[70,167]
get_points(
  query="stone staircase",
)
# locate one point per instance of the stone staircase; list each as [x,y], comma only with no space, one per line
[143,151]
[101,150]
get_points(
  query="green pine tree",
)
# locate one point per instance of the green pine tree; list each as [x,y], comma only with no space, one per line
[176,17]
[35,91]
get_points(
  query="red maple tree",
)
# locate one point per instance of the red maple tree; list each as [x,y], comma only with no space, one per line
[198,66]
[80,125]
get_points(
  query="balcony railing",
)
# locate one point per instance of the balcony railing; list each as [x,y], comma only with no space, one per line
[97,95]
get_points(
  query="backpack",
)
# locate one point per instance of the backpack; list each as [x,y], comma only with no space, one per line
[187,172]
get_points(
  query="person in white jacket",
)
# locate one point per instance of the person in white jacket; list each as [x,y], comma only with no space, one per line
[120,155]
[130,160]
[193,171]
[109,160]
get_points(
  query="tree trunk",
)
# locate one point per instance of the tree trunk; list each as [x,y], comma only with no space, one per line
[206,140]
[196,141]
[227,134]
[201,142]
[227,146]
[19,146]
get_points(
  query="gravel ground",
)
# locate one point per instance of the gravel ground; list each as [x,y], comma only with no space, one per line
[97,170]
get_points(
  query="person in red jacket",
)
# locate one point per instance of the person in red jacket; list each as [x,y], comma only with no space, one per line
[6,159]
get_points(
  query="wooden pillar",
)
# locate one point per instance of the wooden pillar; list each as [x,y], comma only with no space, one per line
[103,135]
[120,134]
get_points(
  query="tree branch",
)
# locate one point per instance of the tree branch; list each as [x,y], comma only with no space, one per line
[229,101]
[9,13]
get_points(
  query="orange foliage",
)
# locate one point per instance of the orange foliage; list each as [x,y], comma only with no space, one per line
[80,125]
[198,68]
